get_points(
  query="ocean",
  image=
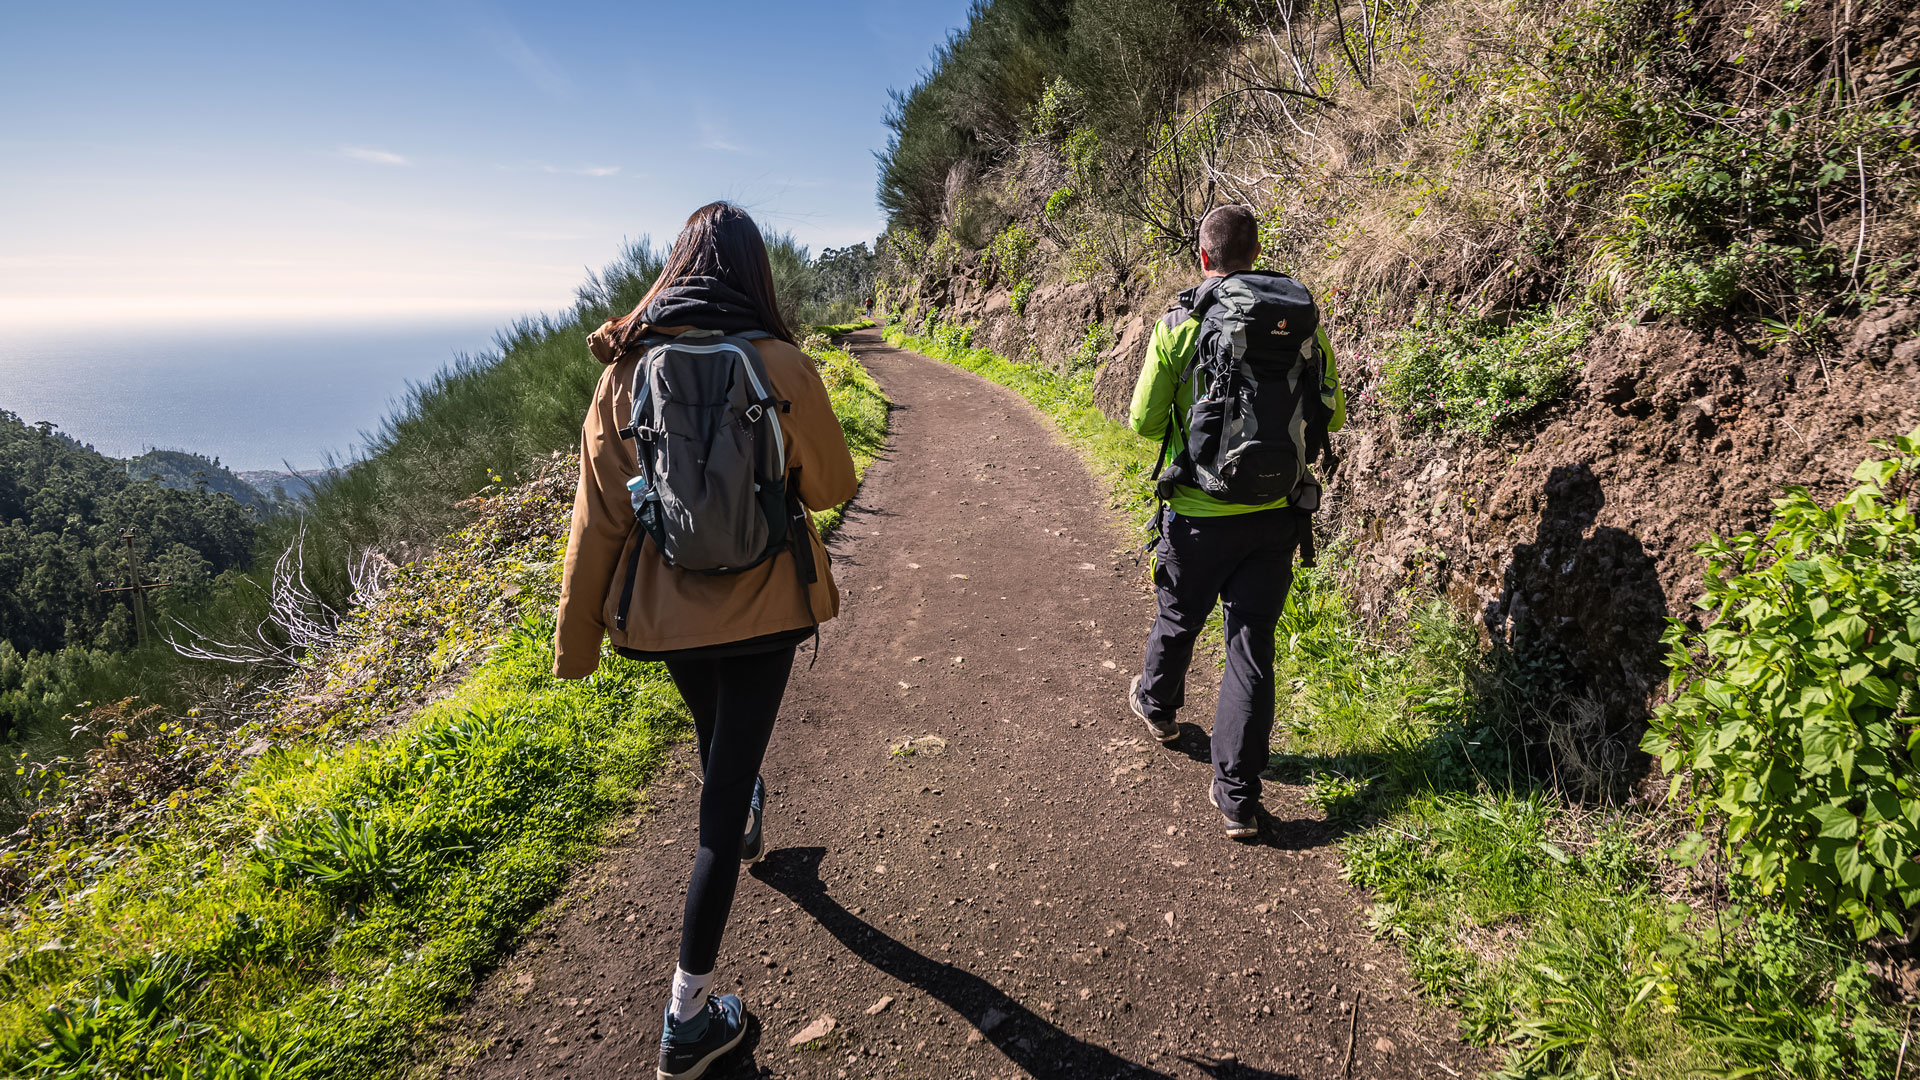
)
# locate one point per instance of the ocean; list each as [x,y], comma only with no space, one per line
[254,396]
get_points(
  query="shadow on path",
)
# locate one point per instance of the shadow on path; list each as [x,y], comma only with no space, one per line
[1028,1040]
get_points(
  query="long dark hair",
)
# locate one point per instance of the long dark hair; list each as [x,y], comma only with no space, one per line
[719,241]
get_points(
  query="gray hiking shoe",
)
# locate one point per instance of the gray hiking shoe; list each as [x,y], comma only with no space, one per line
[1237,829]
[1167,731]
[688,1048]
[753,845]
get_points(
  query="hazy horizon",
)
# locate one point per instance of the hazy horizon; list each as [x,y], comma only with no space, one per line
[256,395]
[222,163]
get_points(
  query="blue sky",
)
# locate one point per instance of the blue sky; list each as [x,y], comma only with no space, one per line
[367,161]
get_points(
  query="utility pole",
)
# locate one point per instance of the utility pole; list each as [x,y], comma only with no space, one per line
[137,587]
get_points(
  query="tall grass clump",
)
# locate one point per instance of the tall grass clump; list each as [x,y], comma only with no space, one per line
[1445,372]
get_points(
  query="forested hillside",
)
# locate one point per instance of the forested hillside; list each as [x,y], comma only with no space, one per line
[1603,278]
[193,472]
[64,510]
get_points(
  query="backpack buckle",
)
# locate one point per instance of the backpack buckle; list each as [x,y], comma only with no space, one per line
[644,434]
[754,413]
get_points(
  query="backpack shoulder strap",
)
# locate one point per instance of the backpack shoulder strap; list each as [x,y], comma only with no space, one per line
[639,391]
[764,403]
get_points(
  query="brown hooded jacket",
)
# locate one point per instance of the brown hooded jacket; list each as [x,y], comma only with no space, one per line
[675,609]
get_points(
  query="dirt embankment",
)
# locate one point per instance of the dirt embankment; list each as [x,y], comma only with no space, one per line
[1577,538]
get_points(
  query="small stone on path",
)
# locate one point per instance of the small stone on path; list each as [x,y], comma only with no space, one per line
[1384,1045]
[819,1029]
[880,1006]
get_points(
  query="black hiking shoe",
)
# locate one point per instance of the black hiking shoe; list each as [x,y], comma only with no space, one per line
[753,845]
[688,1048]
[1237,828]
[1167,731]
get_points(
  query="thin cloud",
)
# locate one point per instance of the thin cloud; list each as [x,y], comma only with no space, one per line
[510,47]
[374,155]
[563,170]
[715,137]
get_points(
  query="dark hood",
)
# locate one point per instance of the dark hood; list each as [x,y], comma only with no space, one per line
[703,303]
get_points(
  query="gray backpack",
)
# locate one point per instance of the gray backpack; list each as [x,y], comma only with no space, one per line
[712,490]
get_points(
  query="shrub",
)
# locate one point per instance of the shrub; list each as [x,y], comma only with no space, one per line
[1010,252]
[1796,717]
[1474,377]
[1057,204]
[1098,339]
[1018,301]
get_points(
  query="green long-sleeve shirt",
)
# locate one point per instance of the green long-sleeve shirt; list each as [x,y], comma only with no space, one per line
[1160,391]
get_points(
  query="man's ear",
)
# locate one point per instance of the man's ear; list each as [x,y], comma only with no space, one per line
[1205,263]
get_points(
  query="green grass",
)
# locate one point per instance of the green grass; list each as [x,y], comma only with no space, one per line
[333,897]
[1449,373]
[862,410]
[311,910]
[836,329]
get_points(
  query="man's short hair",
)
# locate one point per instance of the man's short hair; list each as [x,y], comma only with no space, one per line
[1230,235]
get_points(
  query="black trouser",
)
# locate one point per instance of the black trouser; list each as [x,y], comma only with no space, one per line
[1246,561]
[734,701]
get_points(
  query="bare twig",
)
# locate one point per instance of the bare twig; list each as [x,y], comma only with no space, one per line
[1347,46]
[298,620]
[1353,1028]
[1860,160]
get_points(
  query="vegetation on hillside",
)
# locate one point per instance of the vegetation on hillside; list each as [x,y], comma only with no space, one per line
[1796,724]
[64,510]
[304,894]
[1748,164]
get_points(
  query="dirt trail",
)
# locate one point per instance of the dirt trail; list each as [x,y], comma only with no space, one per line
[1036,888]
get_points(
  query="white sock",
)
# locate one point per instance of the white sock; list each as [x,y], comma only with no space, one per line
[689,993]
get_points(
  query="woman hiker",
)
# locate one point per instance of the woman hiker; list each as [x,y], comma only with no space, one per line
[727,637]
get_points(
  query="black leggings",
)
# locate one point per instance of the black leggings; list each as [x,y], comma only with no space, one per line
[734,701]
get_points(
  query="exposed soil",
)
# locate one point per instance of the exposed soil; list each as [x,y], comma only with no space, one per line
[981,865]
[1575,539]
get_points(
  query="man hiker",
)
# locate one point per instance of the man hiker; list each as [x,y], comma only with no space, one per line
[1239,385]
